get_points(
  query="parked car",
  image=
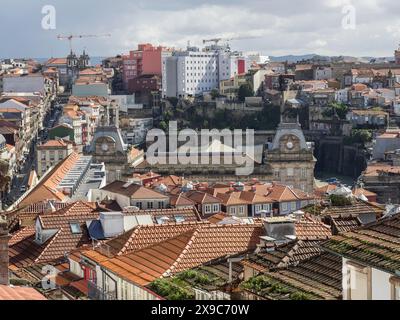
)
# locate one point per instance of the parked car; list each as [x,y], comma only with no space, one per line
[332,181]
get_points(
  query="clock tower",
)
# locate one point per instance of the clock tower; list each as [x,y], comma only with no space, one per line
[291,157]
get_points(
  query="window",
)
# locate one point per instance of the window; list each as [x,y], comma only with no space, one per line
[232,210]
[266,207]
[75,228]
[216,208]
[161,205]
[284,206]
[179,219]
[124,291]
[276,174]
[303,173]
[90,275]
[395,284]
[358,282]
[139,205]
[290,172]
[39,235]
[207,208]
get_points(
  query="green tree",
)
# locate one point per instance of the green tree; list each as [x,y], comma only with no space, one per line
[5,180]
[214,94]
[245,90]
[163,125]
[361,135]
[173,101]
[340,201]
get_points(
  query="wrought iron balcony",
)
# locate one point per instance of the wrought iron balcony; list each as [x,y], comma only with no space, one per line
[97,293]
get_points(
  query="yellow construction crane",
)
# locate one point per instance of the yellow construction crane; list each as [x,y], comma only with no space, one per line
[71,37]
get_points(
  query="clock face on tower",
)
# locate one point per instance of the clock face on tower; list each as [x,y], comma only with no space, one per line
[104,147]
[289,143]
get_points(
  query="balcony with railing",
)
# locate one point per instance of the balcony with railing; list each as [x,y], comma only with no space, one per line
[97,293]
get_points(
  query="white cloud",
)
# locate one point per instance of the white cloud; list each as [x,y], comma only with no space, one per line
[282,26]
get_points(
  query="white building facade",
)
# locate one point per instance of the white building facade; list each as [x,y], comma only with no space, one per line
[194,72]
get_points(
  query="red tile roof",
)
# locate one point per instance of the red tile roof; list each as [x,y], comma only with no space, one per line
[144,236]
[200,197]
[284,193]
[25,251]
[185,251]
[56,61]
[19,293]
[309,229]
[188,214]
[60,143]
[133,190]
[46,189]
[180,200]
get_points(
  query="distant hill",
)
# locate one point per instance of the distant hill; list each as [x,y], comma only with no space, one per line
[298,58]
[292,58]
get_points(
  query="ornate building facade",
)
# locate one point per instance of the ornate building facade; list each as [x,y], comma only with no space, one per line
[291,157]
[288,160]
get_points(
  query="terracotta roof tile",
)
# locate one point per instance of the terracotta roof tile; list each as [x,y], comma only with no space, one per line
[309,229]
[377,244]
[319,277]
[133,190]
[25,251]
[185,214]
[187,250]
[19,293]
[357,208]
[180,200]
[144,236]
[46,189]
[200,197]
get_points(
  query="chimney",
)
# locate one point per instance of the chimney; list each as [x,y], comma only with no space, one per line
[112,223]
[280,228]
[4,237]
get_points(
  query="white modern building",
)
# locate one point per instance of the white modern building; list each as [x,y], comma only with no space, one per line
[193,72]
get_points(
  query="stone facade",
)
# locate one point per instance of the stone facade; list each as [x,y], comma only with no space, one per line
[109,148]
[4,278]
[291,158]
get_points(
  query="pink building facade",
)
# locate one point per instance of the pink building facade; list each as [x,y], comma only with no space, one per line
[146,60]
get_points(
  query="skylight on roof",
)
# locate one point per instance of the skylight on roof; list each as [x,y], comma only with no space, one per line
[179,219]
[162,220]
[75,228]
[127,185]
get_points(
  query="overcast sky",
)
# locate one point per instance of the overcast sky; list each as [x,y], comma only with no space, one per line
[274,27]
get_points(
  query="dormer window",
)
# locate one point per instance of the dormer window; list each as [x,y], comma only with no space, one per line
[38,236]
[216,208]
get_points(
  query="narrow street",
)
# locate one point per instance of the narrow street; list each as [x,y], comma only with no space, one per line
[20,181]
